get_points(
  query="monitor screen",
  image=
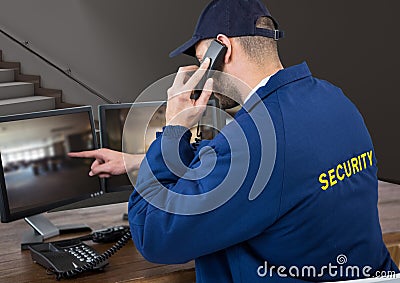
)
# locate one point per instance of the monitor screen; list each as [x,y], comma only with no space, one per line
[140,133]
[36,173]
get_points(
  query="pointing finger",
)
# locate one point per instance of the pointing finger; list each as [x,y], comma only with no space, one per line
[87,154]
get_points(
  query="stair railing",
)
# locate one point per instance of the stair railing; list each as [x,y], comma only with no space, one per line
[67,73]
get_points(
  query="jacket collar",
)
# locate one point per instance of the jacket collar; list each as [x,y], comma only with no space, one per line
[280,79]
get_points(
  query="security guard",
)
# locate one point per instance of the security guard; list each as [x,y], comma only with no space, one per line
[296,170]
[319,205]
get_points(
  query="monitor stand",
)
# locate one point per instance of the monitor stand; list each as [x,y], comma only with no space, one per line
[42,229]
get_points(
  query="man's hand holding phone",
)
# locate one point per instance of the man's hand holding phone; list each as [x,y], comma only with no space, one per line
[181,109]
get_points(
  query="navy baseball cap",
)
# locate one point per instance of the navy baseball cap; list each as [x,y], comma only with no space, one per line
[230,17]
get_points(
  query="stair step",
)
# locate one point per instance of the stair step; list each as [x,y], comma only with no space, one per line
[26,105]
[6,75]
[10,65]
[45,91]
[16,89]
[28,78]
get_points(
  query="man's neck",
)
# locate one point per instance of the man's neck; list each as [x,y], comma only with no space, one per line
[259,74]
[254,74]
[258,77]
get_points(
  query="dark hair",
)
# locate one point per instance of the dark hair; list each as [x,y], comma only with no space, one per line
[260,48]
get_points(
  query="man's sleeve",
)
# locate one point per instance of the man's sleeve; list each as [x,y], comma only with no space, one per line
[163,236]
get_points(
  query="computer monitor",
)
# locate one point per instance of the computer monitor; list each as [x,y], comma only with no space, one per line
[112,118]
[111,123]
[142,131]
[36,174]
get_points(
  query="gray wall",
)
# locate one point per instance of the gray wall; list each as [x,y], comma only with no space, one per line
[354,44]
[116,47]
[120,47]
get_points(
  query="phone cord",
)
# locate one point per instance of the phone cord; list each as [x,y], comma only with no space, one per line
[99,259]
[199,136]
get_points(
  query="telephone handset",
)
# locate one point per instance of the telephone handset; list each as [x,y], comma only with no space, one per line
[216,52]
[69,258]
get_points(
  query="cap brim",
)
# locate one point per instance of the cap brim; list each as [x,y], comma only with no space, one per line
[186,48]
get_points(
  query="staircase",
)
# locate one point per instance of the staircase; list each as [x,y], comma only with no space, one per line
[21,93]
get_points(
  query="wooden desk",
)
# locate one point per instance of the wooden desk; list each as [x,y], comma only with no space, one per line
[389,207]
[127,265]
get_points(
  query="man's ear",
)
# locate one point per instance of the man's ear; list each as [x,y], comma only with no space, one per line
[225,40]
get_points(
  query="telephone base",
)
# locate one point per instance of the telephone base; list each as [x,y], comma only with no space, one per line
[42,229]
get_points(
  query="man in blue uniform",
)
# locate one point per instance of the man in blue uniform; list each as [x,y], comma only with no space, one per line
[303,201]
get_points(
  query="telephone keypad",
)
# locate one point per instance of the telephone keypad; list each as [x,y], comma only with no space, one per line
[82,253]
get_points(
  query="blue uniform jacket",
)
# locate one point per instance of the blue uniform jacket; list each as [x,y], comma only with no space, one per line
[314,217]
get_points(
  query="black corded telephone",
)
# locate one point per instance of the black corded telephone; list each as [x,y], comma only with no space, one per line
[69,258]
[216,52]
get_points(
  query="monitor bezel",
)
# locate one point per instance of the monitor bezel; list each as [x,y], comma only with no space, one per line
[6,215]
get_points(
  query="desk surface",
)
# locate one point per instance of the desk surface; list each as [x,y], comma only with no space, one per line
[128,265]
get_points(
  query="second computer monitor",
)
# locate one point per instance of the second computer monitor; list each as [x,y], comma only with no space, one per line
[142,131]
[112,120]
